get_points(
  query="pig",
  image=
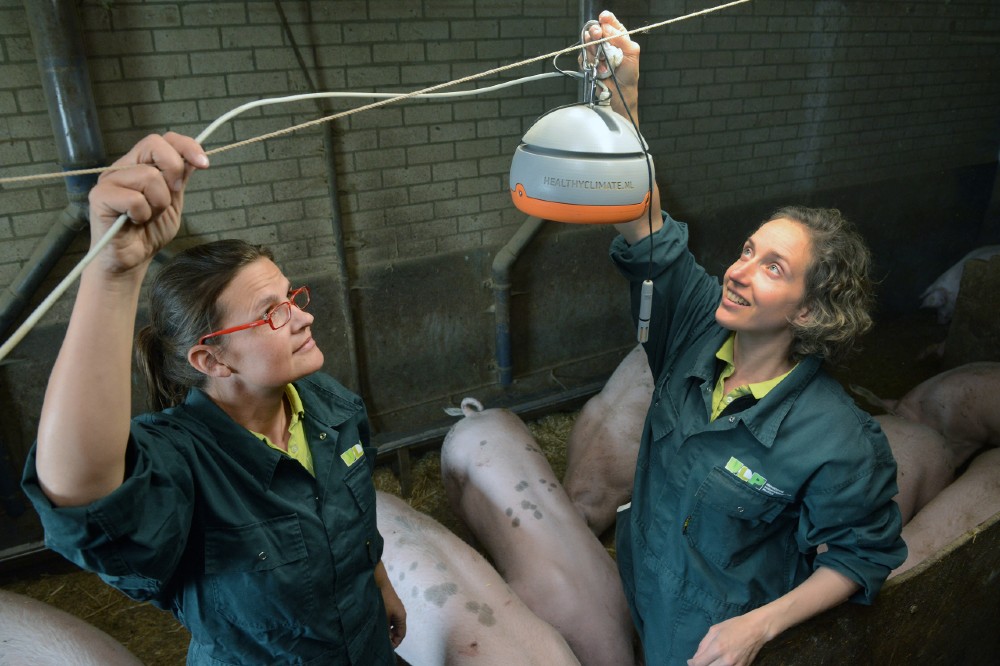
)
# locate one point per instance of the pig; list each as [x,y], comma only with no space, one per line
[943,292]
[969,500]
[924,464]
[500,484]
[961,404]
[459,610]
[33,632]
[603,445]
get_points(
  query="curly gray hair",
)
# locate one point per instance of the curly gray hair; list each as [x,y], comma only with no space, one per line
[838,289]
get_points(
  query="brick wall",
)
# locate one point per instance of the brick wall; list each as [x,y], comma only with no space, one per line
[777,98]
[771,98]
[887,109]
[415,178]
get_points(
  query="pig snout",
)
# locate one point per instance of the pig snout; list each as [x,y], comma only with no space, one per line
[33,632]
[941,297]
[502,487]
[888,406]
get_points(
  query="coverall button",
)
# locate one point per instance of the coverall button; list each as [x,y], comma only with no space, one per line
[732,419]
[261,556]
[322,435]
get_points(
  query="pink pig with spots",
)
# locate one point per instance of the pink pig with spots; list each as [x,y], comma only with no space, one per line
[500,484]
[459,611]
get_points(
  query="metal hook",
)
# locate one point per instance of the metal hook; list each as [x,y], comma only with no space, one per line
[589,66]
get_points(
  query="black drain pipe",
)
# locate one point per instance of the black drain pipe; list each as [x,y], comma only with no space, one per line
[506,256]
[57,37]
[329,153]
[509,253]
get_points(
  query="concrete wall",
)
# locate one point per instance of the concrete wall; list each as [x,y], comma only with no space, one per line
[886,109]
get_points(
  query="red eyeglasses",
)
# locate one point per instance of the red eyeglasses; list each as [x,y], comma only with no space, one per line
[276,317]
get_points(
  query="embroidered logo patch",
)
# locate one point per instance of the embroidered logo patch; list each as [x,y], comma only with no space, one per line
[745,474]
[752,478]
[353,454]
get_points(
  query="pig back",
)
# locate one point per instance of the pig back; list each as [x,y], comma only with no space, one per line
[603,445]
[961,404]
[459,610]
[923,462]
[969,500]
[33,632]
[502,487]
[500,484]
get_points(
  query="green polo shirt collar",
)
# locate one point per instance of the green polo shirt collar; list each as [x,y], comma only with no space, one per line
[764,421]
[244,448]
[720,399]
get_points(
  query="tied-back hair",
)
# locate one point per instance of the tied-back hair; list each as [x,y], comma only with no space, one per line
[838,289]
[183,306]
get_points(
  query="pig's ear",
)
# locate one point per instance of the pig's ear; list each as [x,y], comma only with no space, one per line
[206,360]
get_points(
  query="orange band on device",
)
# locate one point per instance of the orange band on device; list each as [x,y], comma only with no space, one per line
[577,213]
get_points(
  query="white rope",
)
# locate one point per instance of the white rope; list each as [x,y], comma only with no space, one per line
[61,288]
[390,97]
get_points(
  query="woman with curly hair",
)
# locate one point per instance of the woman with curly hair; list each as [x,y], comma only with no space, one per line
[762,494]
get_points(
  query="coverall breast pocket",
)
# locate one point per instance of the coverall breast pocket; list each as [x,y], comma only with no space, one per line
[730,519]
[359,481]
[257,575]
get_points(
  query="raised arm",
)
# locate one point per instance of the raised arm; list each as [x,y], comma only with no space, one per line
[627,75]
[83,431]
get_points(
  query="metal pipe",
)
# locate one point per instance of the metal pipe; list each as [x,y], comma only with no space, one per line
[500,282]
[343,278]
[506,257]
[533,408]
[587,12]
[329,152]
[15,297]
[55,31]
[62,63]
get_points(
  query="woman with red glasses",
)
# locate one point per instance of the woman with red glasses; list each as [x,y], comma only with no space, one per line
[244,503]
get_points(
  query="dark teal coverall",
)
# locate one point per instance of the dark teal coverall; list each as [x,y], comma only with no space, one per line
[726,515]
[262,562]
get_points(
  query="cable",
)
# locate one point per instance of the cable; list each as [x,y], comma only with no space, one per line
[389,97]
[471,77]
[295,98]
[44,307]
[61,288]
[646,293]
